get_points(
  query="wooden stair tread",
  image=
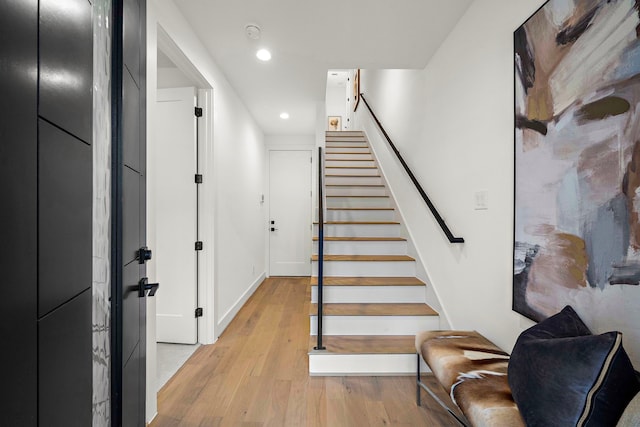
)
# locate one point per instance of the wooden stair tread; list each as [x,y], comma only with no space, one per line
[366,344]
[361,239]
[351,167]
[399,258]
[361,209]
[349,160]
[361,196]
[350,176]
[368,281]
[414,309]
[347,152]
[358,223]
[354,185]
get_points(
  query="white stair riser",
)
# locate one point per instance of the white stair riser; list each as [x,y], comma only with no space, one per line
[355,191]
[358,202]
[354,148]
[352,180]
[360,215]
[374,325]
[348,156]
[369,294]
[359,230]
[362,248]
[351,171]
[349,163]
[327,364]
[366,268]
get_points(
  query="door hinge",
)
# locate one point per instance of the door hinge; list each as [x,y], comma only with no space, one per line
[199,312]
[198,112]
[198,245]
[198,178]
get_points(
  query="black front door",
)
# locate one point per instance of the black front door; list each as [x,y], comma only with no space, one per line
[129,215]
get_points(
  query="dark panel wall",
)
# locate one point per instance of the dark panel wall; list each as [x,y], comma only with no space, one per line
[46,78]
[66,65]
[64,213]
[18,220]
[64,217]
[65,387]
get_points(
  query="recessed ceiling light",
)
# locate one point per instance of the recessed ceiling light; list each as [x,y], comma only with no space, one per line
[263,55]
[284,116]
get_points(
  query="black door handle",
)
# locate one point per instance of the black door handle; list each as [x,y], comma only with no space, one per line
[144,286]
[144,255]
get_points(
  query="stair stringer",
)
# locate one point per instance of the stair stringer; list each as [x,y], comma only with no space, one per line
[432,297]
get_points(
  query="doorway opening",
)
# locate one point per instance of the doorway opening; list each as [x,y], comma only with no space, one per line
[179,211]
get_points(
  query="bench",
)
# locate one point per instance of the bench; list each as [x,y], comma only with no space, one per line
[561,374]
[473,371]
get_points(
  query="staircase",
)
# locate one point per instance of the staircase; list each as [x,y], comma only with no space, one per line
[373,302]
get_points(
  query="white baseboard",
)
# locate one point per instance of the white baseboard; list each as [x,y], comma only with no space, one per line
[152,418]
[235,308]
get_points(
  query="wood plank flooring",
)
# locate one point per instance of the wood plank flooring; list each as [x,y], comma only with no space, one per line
[256,374]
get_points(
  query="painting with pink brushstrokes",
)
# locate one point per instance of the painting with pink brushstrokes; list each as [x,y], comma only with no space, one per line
[577,165]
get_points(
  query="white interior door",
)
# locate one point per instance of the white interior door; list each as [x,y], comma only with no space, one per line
[176,216]
[290,213]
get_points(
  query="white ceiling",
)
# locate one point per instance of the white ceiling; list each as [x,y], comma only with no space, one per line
[306,39]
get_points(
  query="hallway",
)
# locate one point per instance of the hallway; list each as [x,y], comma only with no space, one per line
[256,374]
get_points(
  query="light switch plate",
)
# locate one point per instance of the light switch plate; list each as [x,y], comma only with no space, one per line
[481,200]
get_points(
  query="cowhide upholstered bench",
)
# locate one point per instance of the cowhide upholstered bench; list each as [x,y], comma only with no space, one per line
[473,371]
[559,374]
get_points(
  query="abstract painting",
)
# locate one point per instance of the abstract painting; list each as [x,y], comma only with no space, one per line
[577,164]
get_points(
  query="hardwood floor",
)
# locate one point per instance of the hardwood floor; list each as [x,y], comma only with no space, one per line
[256,374]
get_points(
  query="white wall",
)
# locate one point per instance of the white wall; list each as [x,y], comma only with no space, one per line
[238,170]
[453,123]
[169,77]
[336,101]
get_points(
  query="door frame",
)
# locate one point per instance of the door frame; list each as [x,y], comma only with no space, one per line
[314,162]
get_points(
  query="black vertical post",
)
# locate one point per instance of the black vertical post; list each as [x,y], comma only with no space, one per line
[319,345]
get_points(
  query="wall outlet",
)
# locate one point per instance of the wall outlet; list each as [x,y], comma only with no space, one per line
[481,200]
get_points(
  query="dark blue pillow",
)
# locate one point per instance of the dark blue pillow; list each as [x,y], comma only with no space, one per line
[562,375]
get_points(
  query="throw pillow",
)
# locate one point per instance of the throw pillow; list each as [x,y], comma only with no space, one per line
[562,375]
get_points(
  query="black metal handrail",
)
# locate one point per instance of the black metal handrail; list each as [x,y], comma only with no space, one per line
[319,345]
[432,208]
